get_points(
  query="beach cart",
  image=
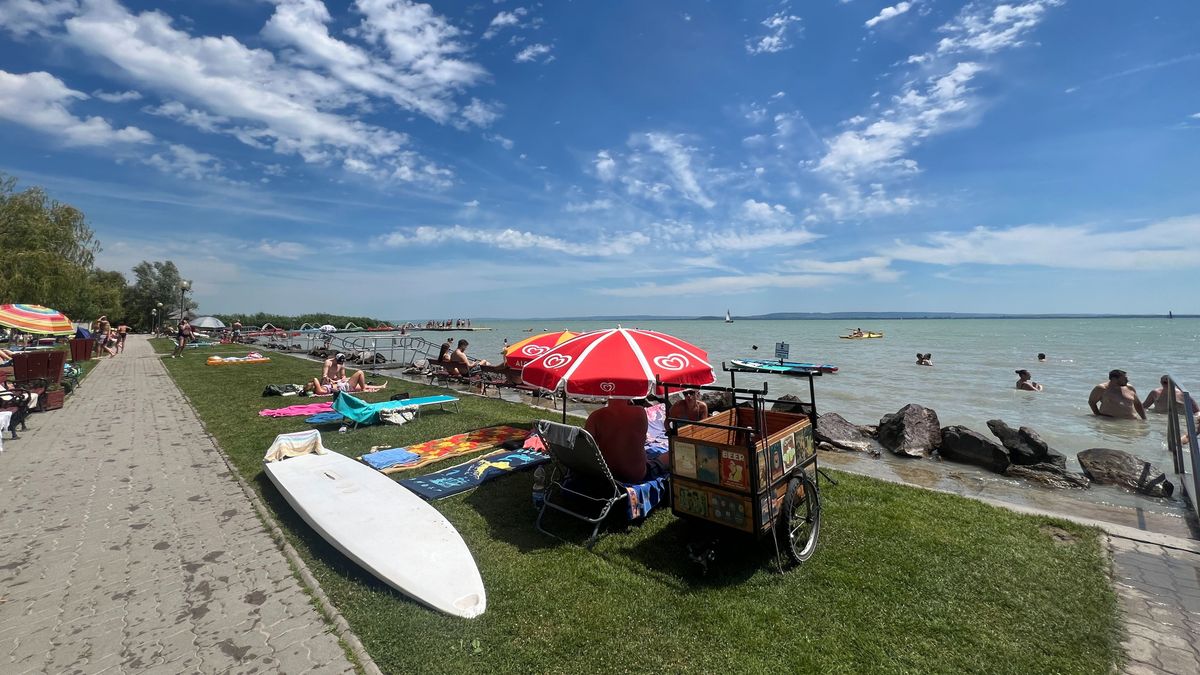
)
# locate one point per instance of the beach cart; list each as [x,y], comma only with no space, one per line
[749,470]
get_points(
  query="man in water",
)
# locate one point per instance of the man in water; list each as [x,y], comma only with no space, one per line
[690,407]
[1158,397]
[1025,381]
[924,359]
[620,431]
[1116,398]
[1041,356]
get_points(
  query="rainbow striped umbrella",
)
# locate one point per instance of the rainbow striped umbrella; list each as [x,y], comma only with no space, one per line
[35,319]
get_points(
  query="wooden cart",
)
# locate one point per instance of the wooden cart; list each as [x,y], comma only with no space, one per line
[749,469]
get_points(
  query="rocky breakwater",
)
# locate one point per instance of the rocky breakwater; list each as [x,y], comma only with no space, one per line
[911,431]
[1117,467]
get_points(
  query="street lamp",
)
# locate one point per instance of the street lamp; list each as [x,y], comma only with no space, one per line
[183,288]
[158,321]
[153,321]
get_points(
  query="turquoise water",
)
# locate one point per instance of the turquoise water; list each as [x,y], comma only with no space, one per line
[972,378]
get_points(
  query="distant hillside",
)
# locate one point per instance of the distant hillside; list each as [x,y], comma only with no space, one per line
[839,316]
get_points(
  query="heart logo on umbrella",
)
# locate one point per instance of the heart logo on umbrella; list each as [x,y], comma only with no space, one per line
[556,361]
[534,350]
[671,361]
[607,387]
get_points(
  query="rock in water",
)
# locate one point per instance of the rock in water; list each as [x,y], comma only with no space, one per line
[833,429]
[960,444]
[790,403]
[1044,453]
[1049,475]
[912,431]
[1024,445]
[1117,467]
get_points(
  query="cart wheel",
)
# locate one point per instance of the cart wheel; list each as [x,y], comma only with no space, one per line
[800,523]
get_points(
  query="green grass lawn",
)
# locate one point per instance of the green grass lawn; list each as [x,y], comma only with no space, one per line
[903,580]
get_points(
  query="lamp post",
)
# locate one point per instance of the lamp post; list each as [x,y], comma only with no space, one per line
[153,321]
[158,319]
[183,288]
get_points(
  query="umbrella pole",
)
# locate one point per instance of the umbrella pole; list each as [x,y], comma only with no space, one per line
[564,405]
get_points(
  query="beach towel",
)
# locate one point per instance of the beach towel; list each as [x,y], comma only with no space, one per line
[458,444]
[471,474]
[390,457]
[298,410]
[295,444]
[656,430]
[361,412]
[325,418]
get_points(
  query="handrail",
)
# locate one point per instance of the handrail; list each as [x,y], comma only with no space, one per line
[1182,441]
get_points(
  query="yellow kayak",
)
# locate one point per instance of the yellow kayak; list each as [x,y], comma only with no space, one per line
[864,336]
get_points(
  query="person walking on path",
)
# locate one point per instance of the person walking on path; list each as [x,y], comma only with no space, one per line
[182,336]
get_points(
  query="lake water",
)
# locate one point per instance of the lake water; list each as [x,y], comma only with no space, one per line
[973,374]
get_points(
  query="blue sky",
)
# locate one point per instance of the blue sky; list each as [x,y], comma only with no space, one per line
[519,159]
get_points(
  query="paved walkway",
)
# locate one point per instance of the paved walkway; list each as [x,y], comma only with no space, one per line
[1159,590]
[126,546]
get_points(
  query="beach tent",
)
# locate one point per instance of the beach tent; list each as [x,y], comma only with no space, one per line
[208,323]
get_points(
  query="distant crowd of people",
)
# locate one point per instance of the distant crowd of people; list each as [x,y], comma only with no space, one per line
[448,323]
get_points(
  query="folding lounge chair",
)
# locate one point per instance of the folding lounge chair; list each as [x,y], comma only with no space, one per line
[575,454]
[359,411]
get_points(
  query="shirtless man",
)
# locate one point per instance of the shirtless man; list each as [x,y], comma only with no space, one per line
[690,407]
[1025,381]
[1158,397]
[620,431]
[333,379]
[1116,398]
[463,362]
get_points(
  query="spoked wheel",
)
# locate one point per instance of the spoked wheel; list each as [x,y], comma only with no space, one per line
[800,523]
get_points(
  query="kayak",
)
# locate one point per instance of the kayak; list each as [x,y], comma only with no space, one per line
[777,367]
[864,336]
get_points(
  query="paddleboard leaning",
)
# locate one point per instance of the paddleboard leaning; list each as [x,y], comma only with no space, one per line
[382,526]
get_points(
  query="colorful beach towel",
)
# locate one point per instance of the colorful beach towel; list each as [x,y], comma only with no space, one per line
[471,474]
[656,430]
[386,459]
[458,444]
[298,410]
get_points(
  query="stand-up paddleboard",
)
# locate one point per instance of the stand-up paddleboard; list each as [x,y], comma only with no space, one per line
[382,526]
[778,367]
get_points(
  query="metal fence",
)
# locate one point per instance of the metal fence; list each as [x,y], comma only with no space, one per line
[1182,441]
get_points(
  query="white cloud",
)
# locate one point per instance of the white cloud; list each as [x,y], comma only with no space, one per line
[40,101]
[1196,116]
[586,207]
[851,202]
[184,162]
[1170,244]
[605,166]
[889,13]
[762,212]
[723,285]
[504,20]
[284,250]
[510,239]
[22,17]
[117,96]
[197,119]
[754,240]
[505,142]
[678,162]
[984,28]
[533,53]
[473,204]
[777,37]
[481,114]
[876,268]
[914,115]
[291,109]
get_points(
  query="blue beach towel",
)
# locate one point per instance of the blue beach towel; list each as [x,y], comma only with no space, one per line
[470,475]
[383,459]
[325,418]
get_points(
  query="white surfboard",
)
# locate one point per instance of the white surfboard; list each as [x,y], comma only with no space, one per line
[384,527]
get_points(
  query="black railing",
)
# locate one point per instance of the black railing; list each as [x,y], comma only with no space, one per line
[1182,441]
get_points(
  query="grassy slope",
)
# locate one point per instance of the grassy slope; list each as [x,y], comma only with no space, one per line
[903,579]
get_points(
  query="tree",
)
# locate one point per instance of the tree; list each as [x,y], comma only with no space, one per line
[155,282]
[48,250]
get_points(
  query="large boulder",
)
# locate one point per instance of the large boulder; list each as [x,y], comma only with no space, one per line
[833,429]
[1049,475]
[960,444]
[912,431]
[791,403]
[1025,446]
[1117,467]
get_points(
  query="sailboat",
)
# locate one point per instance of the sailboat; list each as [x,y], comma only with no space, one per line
[728,318]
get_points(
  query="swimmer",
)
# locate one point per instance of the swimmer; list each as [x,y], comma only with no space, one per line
[1025,381]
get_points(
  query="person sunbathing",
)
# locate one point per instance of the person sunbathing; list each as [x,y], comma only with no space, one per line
[333,379]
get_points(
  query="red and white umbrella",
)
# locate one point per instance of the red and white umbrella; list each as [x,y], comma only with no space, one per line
[518,354]
[618,363]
